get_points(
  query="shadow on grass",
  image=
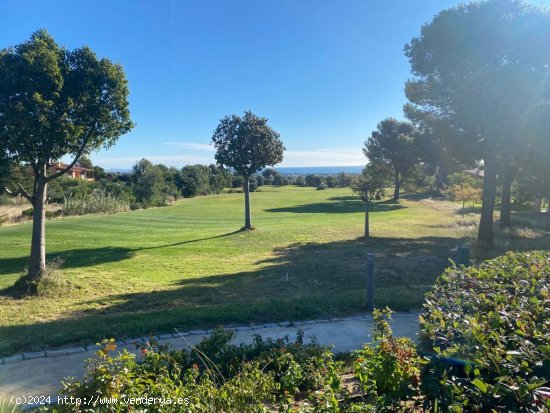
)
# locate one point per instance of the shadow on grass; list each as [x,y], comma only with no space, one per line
[175,244]
[323,280]
[339,205]
[468,209]
[86,257]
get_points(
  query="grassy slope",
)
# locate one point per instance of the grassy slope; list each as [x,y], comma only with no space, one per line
[185,265]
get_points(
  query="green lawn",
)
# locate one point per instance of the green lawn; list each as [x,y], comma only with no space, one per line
[187,265]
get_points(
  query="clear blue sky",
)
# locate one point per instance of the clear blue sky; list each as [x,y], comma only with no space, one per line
[323,72]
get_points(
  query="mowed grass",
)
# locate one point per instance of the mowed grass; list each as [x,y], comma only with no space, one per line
[187,265]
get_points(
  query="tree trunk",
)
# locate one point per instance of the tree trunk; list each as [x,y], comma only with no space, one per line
[37,259]
[247,215]
[537,204]
[367,232]
[397,183]
[505,215]
[441,177]
[485,233]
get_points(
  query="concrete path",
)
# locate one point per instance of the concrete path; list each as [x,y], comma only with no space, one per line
[42,376]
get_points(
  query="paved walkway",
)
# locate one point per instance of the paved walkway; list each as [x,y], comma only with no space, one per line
[42,376]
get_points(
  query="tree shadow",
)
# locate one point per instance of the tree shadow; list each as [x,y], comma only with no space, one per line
[303,280]
[468,209]
[175,244]
[86,257]
[339,205]
[75,258]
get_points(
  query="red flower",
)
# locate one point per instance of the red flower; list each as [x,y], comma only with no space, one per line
[195,367]
[144,351]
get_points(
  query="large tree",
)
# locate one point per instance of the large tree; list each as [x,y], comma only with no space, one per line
[247,144]
[392,144]
[483,69]
[55,103]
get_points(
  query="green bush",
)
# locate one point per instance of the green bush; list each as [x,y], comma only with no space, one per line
[389,371]
[489,327]
[214,376]
[98,202]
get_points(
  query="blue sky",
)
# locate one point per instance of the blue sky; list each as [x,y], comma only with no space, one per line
[323,72]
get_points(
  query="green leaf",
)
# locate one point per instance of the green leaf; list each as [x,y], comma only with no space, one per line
[480,384]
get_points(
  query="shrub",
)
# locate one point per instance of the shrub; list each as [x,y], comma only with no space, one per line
[390,370]
[322,186]
[98,202]
[214,376]
[489,329]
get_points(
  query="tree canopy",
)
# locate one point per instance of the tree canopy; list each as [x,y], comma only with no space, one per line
[392,144]
[482,70]
[247,144]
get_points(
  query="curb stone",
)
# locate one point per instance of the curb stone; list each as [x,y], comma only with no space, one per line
[197,332]
[303,322]
[12,359]
[56,353]
[34,355]
[74,350]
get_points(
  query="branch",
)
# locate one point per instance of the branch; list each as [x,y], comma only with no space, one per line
[75,160]
[21,191]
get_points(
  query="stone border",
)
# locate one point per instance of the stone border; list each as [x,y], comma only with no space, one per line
[160,337]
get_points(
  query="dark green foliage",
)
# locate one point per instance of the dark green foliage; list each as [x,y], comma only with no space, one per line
[392,144]
[89,96]
[372,182]
[194,180]
[253,184]
[314,180]
[247,144]
[300,181]
[214,376]
[219,179]
[488,327]
[149,185]
[477,68]
[280,180]
[269,174]
[260,180]
[237,181]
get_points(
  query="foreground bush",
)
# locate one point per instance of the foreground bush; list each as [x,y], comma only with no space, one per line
[490,329]
[215,376]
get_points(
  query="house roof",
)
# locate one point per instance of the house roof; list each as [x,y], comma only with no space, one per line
[60,165]
[477,172]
